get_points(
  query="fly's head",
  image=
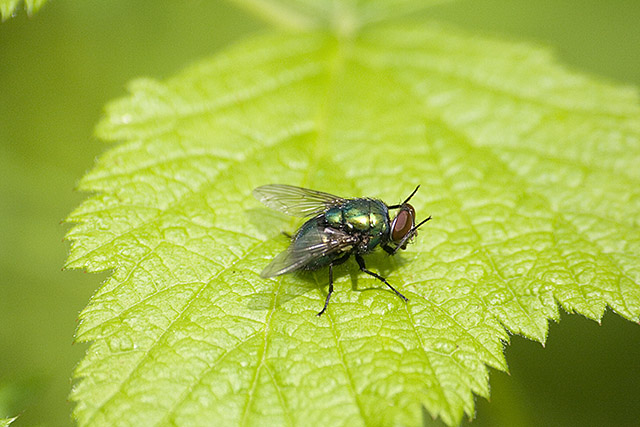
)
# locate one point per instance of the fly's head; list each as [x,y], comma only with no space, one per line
[403,226]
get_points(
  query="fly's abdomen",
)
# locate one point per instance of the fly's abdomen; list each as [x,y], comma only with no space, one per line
[319,245]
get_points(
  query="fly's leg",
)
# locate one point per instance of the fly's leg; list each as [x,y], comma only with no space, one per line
[363,268]
[388,249]
[326,302]
[335,262]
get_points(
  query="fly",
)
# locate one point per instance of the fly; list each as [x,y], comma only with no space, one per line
[338,228]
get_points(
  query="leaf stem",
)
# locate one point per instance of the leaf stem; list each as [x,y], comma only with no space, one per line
[277,14]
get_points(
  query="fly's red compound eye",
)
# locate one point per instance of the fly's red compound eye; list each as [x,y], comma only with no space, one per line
[402,223]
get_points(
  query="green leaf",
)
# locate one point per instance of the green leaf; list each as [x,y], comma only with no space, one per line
[5,422]
[8,7]
[343,17]
[530,172]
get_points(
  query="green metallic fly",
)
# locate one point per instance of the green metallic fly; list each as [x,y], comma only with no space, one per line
[338,228]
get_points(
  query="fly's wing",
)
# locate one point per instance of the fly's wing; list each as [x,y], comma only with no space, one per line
[295,201]
[313,244]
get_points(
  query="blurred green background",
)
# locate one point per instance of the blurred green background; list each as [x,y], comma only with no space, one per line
[58,69]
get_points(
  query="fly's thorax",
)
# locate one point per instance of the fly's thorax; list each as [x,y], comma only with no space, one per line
[359,215]
[356,214]
[367,218]
[379,218]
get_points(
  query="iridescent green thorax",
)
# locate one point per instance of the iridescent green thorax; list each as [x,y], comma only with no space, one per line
[367,216]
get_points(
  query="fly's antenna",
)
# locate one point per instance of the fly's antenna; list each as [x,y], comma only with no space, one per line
[411,195]
[406,200]
[414,229]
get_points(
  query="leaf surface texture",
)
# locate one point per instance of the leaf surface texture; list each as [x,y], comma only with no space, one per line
[530,172]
